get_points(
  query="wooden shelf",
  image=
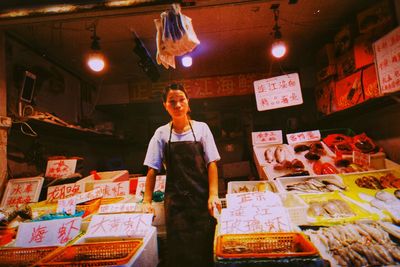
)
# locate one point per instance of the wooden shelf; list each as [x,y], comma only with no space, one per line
[42,127]
[371,105]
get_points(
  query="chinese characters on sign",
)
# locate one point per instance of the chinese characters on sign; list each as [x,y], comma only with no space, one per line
[278,92]
[21,191]
[119,225]
[93,194]
[302,137]
[60,168]
[48,233]
[254,212]
[159,186]
[268,137]
[116,189]
[67,205]
[119,208]
[387,61]
[57,192]
[231,85]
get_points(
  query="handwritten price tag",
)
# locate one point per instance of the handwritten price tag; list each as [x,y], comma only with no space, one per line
[278,92]
[67,205]
[361,158]
[310,136]
[267,137]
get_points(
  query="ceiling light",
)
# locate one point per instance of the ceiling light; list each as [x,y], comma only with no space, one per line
[95,60]
[278,47]
[187,61]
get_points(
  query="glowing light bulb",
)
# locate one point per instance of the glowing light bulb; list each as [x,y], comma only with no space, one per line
[278,49]
[96,62]
[187,61]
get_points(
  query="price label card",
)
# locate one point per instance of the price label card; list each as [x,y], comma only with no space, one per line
[278,92]
[61,168]
[267,137]
[119,208]
[253,199]
[301,137]
[114,189]
[159,186]
[119,225]
[241,220]
[361,158]
[57,192]
[67,205]
[90,195]
[48,233]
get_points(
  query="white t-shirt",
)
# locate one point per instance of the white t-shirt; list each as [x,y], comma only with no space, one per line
[154,156]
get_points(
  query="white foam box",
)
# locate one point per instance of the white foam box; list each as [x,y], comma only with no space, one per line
[249,186]
[105,177]
[266,170]
[282,183]
[329,156]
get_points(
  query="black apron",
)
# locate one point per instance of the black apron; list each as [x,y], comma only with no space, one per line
[190,228]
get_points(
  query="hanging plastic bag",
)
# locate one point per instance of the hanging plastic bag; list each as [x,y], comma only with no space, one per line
[175,36]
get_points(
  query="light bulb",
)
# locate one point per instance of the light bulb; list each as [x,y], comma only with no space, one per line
[96,62]
[278,49]
[187,61]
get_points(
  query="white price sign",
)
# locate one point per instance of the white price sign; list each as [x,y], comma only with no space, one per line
[278,92]
[267,137]
[310,136]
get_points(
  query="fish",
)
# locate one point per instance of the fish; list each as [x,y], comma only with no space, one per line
[269,155]
[280,154]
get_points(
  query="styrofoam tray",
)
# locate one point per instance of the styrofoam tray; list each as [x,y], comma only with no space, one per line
[329,156]
[249,186]
[268,168]
[282,183]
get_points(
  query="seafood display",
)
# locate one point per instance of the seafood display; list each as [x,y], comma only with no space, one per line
[314,150]
[275,154]
[358,244]
[249,186]
[346,144]
[313,185]
[332,208]
[372,182]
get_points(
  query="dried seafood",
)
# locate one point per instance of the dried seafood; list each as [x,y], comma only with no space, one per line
[359,244]
[333,208]
[372,182]
[315,186]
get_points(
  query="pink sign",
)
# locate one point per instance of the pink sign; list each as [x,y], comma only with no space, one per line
[302,137]
[278,92]
[119,208]
[67,205]
[387,61]
[268,137]
[159,186]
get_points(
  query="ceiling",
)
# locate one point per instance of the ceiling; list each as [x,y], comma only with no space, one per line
[235,36]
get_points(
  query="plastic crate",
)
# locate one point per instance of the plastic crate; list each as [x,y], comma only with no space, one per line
[23,256]
[93,254]
[296,207]
[264,245]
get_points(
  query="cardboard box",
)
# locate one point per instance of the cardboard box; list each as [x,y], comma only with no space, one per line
[326,73]
[379,18]
[370,82]
[345,64]
[325,56]
[363,52]
[343,40]
[348,91]
[323,96]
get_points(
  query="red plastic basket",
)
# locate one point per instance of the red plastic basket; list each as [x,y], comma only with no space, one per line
[264,245]
[23,256]
[93,254]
